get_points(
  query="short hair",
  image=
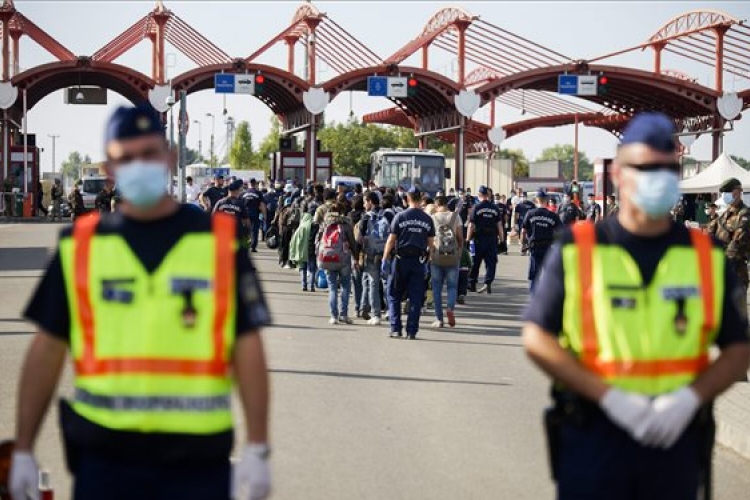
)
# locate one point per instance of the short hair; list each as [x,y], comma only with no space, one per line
[373,198]
[358,203]
[358,188]
[414,197]
[329,195]
[427,199]
[441,201]
[188,178]
[388,200]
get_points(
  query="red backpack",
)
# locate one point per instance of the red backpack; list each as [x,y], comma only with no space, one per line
[333,250]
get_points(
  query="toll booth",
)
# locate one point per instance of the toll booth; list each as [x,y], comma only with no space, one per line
[22,181]
[293,165]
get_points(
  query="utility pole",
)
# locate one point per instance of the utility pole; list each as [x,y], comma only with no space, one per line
[53,137]
[200,138]
[230,133]
[211,158]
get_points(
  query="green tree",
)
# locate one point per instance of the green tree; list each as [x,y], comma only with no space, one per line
[352,144]
[520,162]
[269,145]
[71,168]
[241,154]
[565,154]
[742,162]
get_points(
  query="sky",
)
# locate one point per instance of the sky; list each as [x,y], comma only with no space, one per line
[580,30]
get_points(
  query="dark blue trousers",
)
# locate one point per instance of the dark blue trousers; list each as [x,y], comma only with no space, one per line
[601,461]
[254,232]
[98,479]
[535,263]
[406,277]
[486,250]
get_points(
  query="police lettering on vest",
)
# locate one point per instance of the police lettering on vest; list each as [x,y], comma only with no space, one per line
[253,198]
[485,216]
[412,228]
[540,225]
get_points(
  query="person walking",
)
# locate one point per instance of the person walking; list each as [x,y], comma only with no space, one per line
[336,256]
[404,257]
[40,199]
[233,205]
[485,228]
[302,251]
[593,210]
[56,194]
[355,217]
[519,213]
[192,191]
[75,200]
[569,212]
[372,235]
[445,255]
[162,316]
[256,209]
[732,229]
[539,227]
[622,321]
[103,202]
[213,193]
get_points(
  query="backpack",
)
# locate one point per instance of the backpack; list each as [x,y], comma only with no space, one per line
[376,235]
[294,217]
[333,251]
[446,252]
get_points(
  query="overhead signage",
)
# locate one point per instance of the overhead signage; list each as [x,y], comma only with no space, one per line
[224,83]
[587,85]
[398,86]
[377,86]
[567,84]
[244,84]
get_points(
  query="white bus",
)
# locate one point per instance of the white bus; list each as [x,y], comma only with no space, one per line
[423,168]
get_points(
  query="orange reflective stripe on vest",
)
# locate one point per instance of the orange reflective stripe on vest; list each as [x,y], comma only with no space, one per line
[88,364]
[585,240]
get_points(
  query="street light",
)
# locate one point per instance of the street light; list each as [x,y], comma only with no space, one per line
[170,102]
[213,126]
[230,131]
[53,137]
[200,138]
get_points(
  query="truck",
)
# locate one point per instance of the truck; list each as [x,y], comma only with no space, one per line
[91,186]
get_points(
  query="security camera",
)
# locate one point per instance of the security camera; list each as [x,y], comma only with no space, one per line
[170,100]
[79,96]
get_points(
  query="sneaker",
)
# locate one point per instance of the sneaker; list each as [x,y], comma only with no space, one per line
[358,314]
[461,299]
[473,288]
[437,324]
[304,288]
[413,336]
[312,288]
[333,321]
[254,250]
[485,288]
[451,318]
[286,266]
[395,335]
[374,321]
[345,320]
[366,315]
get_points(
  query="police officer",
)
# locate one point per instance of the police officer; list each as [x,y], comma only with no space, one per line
[622,320]
[412,233]
[256,206]
[161,314]
[539,227]
[234,205]
[569,212]
[519,213]
[593,210]
[485,227]
[214,193]
[732,228]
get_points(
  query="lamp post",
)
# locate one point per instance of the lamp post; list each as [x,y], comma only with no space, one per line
[200,138]
[230,132]
[54,138]
[213,126]
[170,103]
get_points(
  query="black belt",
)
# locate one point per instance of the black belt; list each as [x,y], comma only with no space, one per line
[540,244]
[410,252]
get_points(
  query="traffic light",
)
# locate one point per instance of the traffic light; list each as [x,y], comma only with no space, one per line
[602,85]
[260,83]
[412,86]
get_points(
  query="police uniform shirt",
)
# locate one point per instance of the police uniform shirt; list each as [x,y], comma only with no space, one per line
[214,194]
[150,241]
[546,310]
[593,211]
[253,198]
[412,227]
[521,210]
[503,211]
[540,225]
[485,215]
[233,206]
[569,213]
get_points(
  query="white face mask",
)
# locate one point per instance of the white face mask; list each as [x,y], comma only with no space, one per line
[142,183]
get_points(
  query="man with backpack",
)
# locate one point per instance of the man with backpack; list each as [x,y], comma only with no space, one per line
[372,234]
[336,253]
[445,255]
[56,193]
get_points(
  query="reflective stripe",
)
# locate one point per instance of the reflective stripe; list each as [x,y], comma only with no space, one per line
[584,236]
[153,403]
[224,227]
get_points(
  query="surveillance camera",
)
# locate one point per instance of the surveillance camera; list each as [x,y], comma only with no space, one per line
[80,96]
[170,100]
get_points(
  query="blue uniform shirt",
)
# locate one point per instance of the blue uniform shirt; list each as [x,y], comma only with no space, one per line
[253,198]
[521,210]
[412,227]
[233,206]
[485,215]
[540,225]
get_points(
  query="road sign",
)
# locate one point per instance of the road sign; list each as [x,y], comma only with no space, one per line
[567,84]
[377,86]
[587,85]
[398,86]
[224,83]
[244,84]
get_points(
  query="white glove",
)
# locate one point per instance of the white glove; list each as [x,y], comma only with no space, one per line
[24,476]
[669,416]
[251,478]
[626,409]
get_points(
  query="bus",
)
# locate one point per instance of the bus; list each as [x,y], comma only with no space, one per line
[423,168]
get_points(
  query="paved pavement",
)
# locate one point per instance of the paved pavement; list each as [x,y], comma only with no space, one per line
[356,414]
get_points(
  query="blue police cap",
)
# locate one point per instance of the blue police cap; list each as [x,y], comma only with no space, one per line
[482,190]
[128,122]
[540,193]
[655,130]
[413,190]
[236,185]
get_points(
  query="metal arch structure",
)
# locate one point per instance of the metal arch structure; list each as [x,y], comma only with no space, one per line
[282,94]
[691,22]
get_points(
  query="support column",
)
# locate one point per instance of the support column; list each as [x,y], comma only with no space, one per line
[719,78]
[291,42]
[16,36]
[425,57]
[492,112]
[575,152]
[312,24]
[5,21]
[461,26]
[658,47]
[160,19]
[460,156]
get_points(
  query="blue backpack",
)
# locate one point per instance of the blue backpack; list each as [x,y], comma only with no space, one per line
[376,235]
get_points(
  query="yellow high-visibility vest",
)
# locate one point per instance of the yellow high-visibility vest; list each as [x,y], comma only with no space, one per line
[648,339]
[143,361]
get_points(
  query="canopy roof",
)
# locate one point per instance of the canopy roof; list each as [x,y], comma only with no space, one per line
[714,176]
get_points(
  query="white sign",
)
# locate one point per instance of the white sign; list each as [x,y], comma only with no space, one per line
[8,95]
[315,100]
[244,84]
[398,86]
[729,105]
[467,102]
[158,95]
[587,85]
[496,135]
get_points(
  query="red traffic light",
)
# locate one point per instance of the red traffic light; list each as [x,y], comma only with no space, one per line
[260,79]
[603,80]
[413,82]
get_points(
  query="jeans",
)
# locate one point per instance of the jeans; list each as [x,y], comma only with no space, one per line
[342,278]
[357,284]
[309,268]
[371,288]
[449,276]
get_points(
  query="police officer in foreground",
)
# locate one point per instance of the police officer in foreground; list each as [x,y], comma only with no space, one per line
[732,228]
[256,207]
[539,228]
[404,258]
[485,228]
[161,314]
[622,320]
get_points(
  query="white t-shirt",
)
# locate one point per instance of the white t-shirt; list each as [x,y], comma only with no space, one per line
[192,193]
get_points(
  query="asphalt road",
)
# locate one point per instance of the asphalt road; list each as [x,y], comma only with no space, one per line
[357,415]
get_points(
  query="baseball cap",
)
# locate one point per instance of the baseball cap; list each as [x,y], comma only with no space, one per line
[128,122]
[235,186]
[656,130]
[482,190]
